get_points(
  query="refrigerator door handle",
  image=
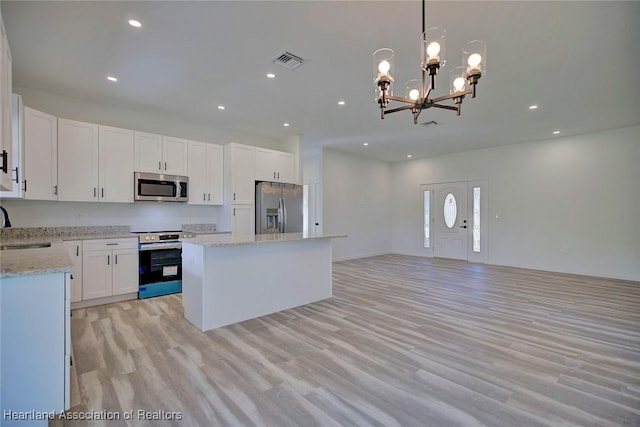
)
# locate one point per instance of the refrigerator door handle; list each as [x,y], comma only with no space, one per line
[280,213]
[284,216]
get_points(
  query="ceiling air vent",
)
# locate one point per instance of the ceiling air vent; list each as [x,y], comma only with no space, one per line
[288,60]
[430,123]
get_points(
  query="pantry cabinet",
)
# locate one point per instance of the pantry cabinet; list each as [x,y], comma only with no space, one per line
[109,267]
[205,174]
[240,173]
[160,154]
[40,155]
[95,162]
[272,165]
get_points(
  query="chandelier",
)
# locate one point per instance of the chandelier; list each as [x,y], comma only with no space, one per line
[462,80]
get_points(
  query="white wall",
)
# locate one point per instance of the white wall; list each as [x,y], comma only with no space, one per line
[567,204]
[141,216]
[355,197]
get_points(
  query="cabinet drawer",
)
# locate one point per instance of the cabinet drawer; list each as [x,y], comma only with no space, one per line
[108,244]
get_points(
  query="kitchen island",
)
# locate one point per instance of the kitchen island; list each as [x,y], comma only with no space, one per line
[228,279]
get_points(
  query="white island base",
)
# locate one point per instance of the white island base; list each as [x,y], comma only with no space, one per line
[225,281]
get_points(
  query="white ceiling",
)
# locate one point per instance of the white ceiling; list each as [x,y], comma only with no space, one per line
[578,61]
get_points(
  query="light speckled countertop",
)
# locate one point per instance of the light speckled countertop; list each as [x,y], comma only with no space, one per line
[215,240]
[54,259]
[30,262]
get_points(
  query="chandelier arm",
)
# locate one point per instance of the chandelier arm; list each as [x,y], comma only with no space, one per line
[406,107]
[456,95]
[401,99]
[445,107]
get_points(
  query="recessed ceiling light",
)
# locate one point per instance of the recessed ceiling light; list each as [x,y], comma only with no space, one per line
[220,107]
[341,102]
[532,107]
[556,132]
[409,156]
[285,125]
[365,143]
[135,23]
[112,79]
[271,75]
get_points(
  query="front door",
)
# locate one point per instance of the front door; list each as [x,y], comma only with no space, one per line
[450,220]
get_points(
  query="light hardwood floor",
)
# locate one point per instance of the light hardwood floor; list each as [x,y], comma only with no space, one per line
[405,341]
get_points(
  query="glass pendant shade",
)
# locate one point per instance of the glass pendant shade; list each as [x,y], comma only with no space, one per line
[457,80]
[474,57]
[383,64]
[434,47]
[412,89]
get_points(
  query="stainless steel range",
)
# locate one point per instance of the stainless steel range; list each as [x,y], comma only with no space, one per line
[160,262]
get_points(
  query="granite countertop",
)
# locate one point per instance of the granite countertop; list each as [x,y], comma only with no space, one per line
[30,262]
[216,240]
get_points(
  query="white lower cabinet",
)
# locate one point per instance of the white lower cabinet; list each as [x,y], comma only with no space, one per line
[109,267]
[74,249]
[242,220]
[34,344]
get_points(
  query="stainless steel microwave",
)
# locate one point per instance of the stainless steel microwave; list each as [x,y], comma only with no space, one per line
[160,187]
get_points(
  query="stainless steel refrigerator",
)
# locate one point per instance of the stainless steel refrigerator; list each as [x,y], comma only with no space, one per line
[278,208]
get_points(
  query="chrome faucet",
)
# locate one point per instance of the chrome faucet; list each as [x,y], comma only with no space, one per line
[5,218]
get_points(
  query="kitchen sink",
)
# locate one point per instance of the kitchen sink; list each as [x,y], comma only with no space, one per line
[10,246]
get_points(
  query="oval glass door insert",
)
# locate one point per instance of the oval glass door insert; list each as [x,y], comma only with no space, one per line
[450,210]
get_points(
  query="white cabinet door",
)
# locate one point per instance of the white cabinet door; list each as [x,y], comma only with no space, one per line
[243,163]
[215,173]
[148,152]
[285,167]
[40,155]
[266,165]
[125,271]
[77,161]
[17,150]
[116,164]
[242,220]
[174,155]
[74,248]
[6,147]
[96,274]
[197,173]
[32,313]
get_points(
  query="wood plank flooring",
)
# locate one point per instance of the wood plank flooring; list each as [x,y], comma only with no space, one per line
[405,341]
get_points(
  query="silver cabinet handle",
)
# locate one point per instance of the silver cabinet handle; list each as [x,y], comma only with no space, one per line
[274,175]
[209,197]
[159,165]
[17,180]
[94,191]
[204,197]
[77,250]
[116,258]
[108,260]
[234,211]
[25,186]
[55,189]
[165,165]
[234,196]
[103,192]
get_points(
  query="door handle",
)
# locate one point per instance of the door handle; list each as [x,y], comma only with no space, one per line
[17,180]
[463,226]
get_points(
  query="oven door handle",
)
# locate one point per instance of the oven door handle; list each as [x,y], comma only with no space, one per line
[159,246]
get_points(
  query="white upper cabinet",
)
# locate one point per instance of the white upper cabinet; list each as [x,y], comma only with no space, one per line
[95,163]
[40,155]
[174,155]
[240,169]
[77,161]
[115,164]
[272,165]
[160,154]
[148,152]
[6,147]
[205,173]
[17,150]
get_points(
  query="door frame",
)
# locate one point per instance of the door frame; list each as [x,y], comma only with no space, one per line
[483,255]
